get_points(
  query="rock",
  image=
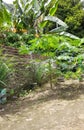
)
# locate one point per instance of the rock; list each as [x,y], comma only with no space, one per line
[2,109]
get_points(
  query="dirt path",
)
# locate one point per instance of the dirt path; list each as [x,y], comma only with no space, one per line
[47,110]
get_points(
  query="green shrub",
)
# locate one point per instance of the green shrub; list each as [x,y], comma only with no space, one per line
[36,74]
[5,71]
[15,39]
[26,38]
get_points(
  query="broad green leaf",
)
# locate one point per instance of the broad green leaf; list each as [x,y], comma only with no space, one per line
[36,6]
[55,19]
[43,24]
[47,3]
[53,9]
[27,8]
[58,29]
[69,35]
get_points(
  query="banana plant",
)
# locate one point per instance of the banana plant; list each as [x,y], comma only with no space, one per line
[5,17]
[34,14]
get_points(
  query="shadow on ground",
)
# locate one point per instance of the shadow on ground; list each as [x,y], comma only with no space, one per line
[67,93]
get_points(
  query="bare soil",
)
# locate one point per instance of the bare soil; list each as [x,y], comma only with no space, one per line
[44,109]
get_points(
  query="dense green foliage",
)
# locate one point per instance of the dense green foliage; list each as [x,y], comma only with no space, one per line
[15,39]
[66,53]
[30,14]
[72,13]
[5,17]
[5,71]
